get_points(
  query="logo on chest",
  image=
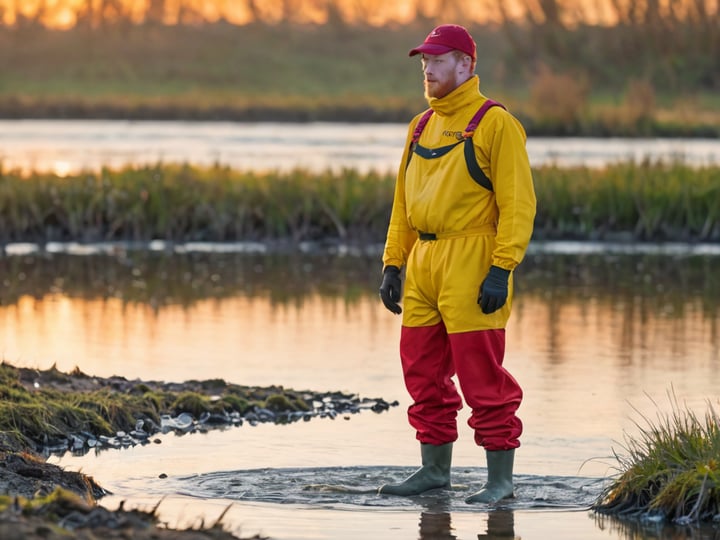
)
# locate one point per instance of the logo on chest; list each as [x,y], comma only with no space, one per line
[457,135]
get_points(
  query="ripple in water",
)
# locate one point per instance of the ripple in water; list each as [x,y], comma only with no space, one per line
[348,487]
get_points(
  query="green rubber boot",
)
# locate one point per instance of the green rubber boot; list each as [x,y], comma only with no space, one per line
[434,473]
[499,482]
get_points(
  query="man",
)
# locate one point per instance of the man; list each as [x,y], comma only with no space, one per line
[459,233]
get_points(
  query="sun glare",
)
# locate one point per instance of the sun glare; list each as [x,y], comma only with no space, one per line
[62,168]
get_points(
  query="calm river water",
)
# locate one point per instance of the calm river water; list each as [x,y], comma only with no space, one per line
[65,146]
[600,337]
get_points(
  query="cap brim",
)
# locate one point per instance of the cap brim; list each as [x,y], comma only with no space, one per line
[430,48]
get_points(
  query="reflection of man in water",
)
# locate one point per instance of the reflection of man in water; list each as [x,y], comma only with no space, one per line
[500,525]
[436,525]
[461,221]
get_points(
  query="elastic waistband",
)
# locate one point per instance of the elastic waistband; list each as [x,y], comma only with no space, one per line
[474,231]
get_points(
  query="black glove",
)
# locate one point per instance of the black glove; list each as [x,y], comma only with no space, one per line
[494,290]
[390,289]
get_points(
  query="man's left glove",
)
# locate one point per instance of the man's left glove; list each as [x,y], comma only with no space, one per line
[494,290]
[390,289]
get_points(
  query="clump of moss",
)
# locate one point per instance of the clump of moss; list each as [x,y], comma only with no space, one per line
[157,402]
[109,411]
[191,402]
[278,403]
[56,504]
[140,389]
[672,470]
[236,403]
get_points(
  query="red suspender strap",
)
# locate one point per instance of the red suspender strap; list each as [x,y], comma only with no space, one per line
[421,125]
[475,120]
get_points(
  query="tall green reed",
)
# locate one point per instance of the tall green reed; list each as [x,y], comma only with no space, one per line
[640,201]
[637,201]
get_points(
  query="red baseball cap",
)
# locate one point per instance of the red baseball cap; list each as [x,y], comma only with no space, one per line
[446,38]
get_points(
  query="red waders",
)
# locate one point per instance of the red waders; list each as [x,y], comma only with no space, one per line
[430,357]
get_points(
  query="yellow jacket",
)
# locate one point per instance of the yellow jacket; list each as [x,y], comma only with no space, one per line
[440,196]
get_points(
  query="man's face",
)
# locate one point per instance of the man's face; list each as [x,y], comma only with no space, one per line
[441,74]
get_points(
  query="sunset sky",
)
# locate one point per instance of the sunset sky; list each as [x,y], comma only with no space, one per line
[64,13]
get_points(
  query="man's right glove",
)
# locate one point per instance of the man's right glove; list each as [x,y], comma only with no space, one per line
[494,290]
[390,289]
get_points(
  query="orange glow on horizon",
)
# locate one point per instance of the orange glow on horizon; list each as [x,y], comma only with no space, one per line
[66,14]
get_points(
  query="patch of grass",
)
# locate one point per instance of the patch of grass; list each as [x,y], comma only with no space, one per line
[111,411]
[236,403]
[33,420]
[281,402]
[57,503]
[193,403]
[671,470]
[66,512]
[157,402]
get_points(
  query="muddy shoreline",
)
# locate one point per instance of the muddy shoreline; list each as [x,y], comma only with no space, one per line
[42,500]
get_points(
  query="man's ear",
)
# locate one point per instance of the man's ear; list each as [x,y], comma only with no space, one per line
[466,63]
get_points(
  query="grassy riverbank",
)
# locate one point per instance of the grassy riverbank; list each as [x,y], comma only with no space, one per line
[632,202]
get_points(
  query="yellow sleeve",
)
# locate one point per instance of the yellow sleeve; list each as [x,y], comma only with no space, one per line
[514,191]
[400,237]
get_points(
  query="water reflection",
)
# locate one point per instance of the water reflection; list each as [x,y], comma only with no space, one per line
[436,524]
[161,279]
[500,526]
[269,317]
[639,286]
[633,529]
